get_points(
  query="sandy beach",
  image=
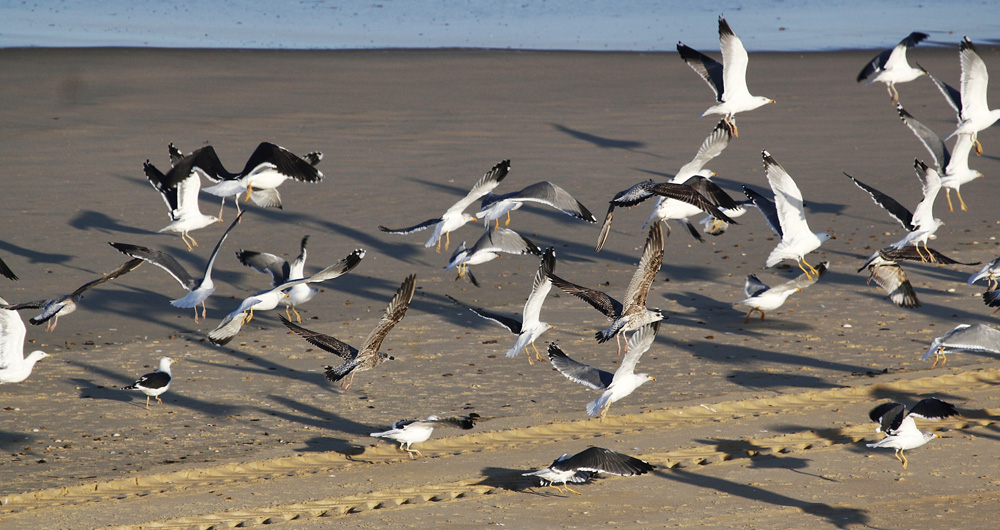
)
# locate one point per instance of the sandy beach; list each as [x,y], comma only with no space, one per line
[756,425]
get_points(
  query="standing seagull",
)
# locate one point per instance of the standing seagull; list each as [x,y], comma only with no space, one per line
[797,239]
[727,80]
[14,366]
[900,430]
[965,337]
[267,168]
[760,297]
[976,114]
[54,308]
[269,298]
[952,167]
[890,67]
[179,189]
[455,217]
[530,328]
[633,314]
[199,290]
[368,356]
[616,386]
[409,432]
[282,271]
[584,465]
[154,383]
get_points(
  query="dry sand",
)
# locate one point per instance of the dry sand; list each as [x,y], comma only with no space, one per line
[758,425]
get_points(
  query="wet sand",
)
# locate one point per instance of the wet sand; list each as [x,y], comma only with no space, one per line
[751,425]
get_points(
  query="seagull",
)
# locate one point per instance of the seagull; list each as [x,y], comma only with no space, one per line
[892,278]
[890,67]
[455,217]
[14,366]
[648,188]
[633,314]
[409,432]
[761,297]
[900,430]
[616,386]
[796,238]
[990,271]
[695,175]
[584,465]
[965,337]
[269,298]
[493,207]
[154,383]
[368,356]
[920,224]
[267,168]
[976,114]
[952,167]
[488,248]
[199,290]
[727,80]
[716,227]
[179,189]
[6,272]
[211,167]
[282,271]
[54,308]
[530,327]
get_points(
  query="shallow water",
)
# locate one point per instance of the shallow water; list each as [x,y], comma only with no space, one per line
[641,25]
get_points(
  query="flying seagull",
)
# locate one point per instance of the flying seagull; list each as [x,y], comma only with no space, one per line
[952,167]
[282,271]
[455,217]
[976,114]
[493,207]
[890,67]
[409,432]
[890,276]
[681,192]
[14,366]
[488,248]
[921,224]
[530,327]
[990,271]
[269,298]
[264,157]
[179,189]
[54,308]
[6,272]
[729,79]
[198,290]
[965,337]
[617,385]
[154,383]
[584,465]
[267,168]
[760,297]
[797,239]
[368,356]
[632,314]
[898,425]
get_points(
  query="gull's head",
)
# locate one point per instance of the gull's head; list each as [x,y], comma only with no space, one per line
[35,356]
[825,236]
[645,377]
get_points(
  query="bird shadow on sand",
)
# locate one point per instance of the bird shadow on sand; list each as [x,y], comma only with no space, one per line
[507,479]
[734,354]
[773,381]
[34,256]
[91,390]
[87,220]
[10,441]
[759,456]
[602,141]
[841,517]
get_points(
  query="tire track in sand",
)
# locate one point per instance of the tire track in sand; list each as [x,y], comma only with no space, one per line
[214,476]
